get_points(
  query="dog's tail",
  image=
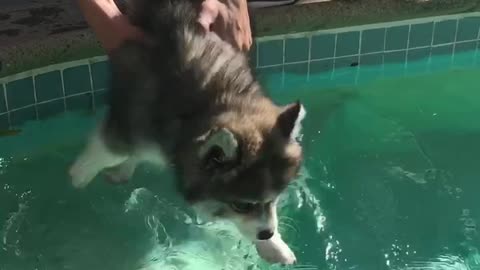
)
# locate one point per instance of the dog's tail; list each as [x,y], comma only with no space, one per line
[158,17]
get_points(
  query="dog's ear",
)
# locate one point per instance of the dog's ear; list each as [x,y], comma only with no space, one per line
[289,121]
[218,145]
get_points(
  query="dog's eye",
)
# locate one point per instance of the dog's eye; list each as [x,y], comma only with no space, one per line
[214,158]
[216,154]
[242,207]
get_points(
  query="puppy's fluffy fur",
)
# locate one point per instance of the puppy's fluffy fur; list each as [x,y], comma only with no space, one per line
[185,97]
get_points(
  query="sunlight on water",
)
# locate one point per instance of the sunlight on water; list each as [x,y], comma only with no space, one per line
[303,196]
[214,245]
[199,252]
[10,236]
[443,262]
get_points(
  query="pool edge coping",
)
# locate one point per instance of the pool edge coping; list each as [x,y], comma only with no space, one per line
[94,59]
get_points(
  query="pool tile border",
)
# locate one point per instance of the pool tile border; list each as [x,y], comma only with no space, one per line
[332,53]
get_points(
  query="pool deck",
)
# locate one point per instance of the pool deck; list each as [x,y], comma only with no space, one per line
[36,32]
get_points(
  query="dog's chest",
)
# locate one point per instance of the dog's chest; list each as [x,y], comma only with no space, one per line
[152,154]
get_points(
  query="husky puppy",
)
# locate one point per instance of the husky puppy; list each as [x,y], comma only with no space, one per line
[183,97]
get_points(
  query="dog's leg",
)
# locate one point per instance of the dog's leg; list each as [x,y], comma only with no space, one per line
[121,173]
[94,159]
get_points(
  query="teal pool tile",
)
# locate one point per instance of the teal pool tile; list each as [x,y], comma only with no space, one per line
[3,104]
[418,54]
[417,61]
[464,56]
[465,46]
[270,53]
[477,57]
[100,98]
[323,46]
[440,62]
[443,50]
[76,80]
[366,75]
[463,59]
[444,32]
[322,80]
[100,75]
[344,62]
[295,74]
[4,121]
[82,102]
[51,108]
[324,76]
[371,59]
[417,68]
[421,35]
[252,55]
[397,38]
[321,66]
[263,72]
[399,57]
[296,49]
[299,69]
[48,86]
[347,44]
[20,93]
[345,77]
[270,77]
[373,40]
[468,28]
[394,70]
[19,117]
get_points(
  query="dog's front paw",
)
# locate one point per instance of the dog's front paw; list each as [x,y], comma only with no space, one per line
[275,250]
[113,177]
[120,174]
[80,179]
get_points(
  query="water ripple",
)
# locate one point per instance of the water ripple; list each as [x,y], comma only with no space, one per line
[10,230]
[304,195]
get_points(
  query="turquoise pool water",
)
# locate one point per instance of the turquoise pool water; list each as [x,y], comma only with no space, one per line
[391,181]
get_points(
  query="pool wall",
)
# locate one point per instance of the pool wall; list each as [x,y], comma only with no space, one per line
[81,84]
[34,34]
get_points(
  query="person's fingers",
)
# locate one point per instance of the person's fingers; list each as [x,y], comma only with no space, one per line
[230,22]
[241,25]
[242,34]
[223,25]
[208,13]
[246,31]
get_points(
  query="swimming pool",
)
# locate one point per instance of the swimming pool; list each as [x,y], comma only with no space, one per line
[389,182]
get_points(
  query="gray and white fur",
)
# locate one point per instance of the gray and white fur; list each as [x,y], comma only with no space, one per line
[184,97]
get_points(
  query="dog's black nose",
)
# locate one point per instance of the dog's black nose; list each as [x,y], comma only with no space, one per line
[265,235]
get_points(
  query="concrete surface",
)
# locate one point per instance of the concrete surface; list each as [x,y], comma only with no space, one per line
[34,33]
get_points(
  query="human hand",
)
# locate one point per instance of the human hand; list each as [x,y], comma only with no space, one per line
[120,30]
[229,19]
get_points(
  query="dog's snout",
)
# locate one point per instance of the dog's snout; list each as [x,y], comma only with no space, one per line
[265,235]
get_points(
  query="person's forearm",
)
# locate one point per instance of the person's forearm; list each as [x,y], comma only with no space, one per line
[110,26]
